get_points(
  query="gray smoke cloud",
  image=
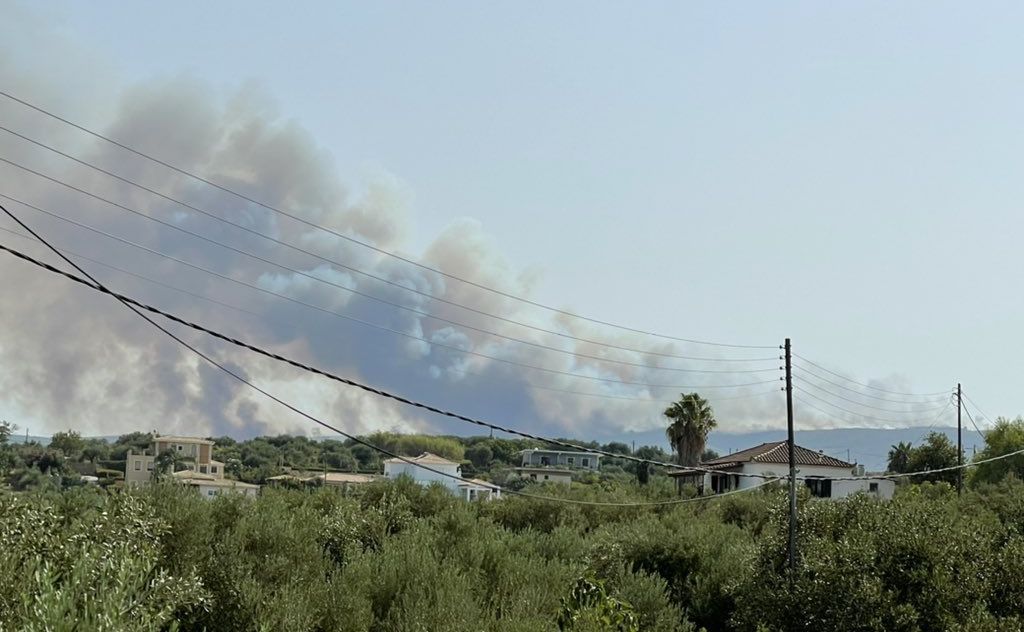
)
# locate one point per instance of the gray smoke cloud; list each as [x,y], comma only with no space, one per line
[74,358]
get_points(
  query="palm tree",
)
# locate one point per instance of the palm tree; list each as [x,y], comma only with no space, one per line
[692,419]
[899,457]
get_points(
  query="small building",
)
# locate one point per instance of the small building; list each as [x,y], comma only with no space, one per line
[476,489]
[536,457]
[209,486]
[344,480]
[818,471]
[441,471]
[545,474]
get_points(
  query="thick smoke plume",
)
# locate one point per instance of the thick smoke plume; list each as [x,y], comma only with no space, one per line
[73,358]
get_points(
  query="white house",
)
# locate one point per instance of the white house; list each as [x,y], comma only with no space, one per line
[209,485]
[545,474]
[469,489]
[564,459]
[816,470]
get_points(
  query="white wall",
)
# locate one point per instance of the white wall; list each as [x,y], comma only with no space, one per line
[209,491]
[840,489]
[425,477]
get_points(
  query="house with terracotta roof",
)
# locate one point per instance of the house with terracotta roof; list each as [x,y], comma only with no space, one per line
[821,473]
[429,468]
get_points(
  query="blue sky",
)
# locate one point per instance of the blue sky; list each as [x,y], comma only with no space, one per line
[843,174]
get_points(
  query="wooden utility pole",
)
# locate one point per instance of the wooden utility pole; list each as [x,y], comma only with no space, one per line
[792,458]
[959,443]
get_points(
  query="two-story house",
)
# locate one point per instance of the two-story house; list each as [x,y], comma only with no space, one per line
[441,471]
[200,471]
[565,459]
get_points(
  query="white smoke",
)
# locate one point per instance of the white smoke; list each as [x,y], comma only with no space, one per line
[73,358]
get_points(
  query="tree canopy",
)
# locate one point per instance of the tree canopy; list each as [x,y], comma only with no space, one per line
[691,420]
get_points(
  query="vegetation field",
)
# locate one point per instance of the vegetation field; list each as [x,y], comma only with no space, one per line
[400,557]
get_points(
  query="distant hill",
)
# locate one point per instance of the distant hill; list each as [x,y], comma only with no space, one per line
[869,446]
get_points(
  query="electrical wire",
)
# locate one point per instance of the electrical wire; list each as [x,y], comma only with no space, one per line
[426,314]
[381,327]
[846,410]
[852,401]
[131,303]
[370,389]
[978,408]
[100,287]
[364,244]
[859,392]
[867,385]
[976,428]
[457,370]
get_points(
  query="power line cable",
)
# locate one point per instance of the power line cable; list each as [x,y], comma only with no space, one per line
[839,375]
[978,408]
[859,391]
[976,428]
[846,410]
[381,327]
[323,373]
[94,285]
[424,313]
[100,287]
[366,244]
[852,401]
[462,371]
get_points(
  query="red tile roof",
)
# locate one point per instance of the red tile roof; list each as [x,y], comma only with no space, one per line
[774,452]
[778,452]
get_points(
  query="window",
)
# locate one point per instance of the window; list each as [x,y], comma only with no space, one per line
[149,466]
[571,460]
[545,477]
[213,469]
[533,476]
[820,487]
[545,460]
[202,469]
[210,492]
[873,488]
[138,465]
[179,447]
[586,462]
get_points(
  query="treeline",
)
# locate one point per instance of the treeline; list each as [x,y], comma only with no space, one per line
[68,456]
[397,557]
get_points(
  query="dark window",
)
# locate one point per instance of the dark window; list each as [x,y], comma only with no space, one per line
[545,460]
[873,488]
[586,462]
[213,469]
[571,460]
[820,487]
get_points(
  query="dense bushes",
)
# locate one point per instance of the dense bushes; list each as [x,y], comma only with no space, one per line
[397,557]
